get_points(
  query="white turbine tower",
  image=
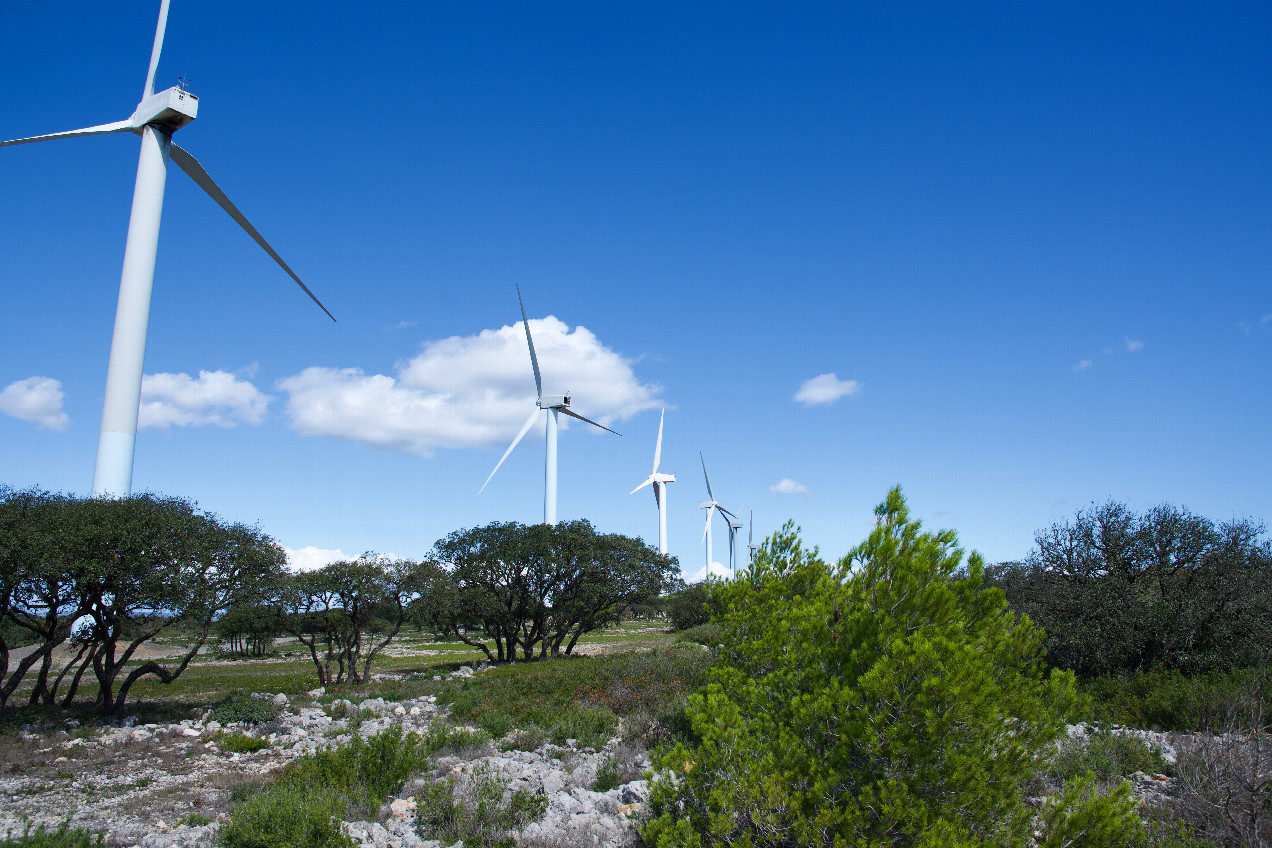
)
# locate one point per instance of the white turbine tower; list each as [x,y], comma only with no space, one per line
[155,119]
[734,526]
[751,547]
[659,482]
[552,404]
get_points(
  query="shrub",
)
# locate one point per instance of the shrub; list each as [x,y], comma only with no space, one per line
[688,607]
[1170,700]
[1107,756]
[472,808]
[63,837]
[245,709]
[287,816]
[241,743]
[304,806]
[702,634]
[888,700]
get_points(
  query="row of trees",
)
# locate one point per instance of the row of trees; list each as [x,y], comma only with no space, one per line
[1119,591]
[106,576]
[84,583]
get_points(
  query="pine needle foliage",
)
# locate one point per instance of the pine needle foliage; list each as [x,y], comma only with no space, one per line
[888,699]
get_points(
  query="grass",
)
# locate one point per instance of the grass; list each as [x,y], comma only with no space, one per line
[63,837]
[581,698]
[473,809]
[241,743]
[305,804]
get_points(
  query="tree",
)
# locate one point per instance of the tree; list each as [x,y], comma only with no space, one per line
[1118,591]
[538,588]
[688,607]
[347,612]
[881,701]
[127,569]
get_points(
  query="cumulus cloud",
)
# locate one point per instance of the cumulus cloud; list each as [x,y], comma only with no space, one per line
[717,570]
[310,558]
[787,486]
[216,398]
[1133,345]
[467,391]
[1084,365]
[824,389]
[37,399]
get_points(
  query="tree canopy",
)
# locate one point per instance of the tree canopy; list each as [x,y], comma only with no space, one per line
[125,570]
[538,588]
[1119,591]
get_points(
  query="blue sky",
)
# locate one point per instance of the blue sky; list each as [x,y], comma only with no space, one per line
[1030,242]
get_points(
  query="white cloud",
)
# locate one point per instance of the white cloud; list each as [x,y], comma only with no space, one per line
[217,398]
[1134,345]
[37,399]
[1084,365]
[467,391]
[310,558]
[717,570]
[787,486]
[824,389]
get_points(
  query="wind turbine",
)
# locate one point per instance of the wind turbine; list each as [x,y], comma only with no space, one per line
[711,506]
[734,526]
[552,404]
[751,547]
[155,119]
[659,482]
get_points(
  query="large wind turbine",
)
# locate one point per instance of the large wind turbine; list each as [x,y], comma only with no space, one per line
[734,526]
[155,119]
[552,404]
[659,482]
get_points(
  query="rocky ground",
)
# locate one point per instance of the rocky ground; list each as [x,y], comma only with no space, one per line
[172,785]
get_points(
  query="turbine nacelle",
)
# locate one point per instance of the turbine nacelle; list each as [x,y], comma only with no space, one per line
[168,110]
[553,401]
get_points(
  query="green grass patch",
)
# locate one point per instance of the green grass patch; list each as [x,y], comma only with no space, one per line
[474,809]
[241,743]
[581,698]
[63,837]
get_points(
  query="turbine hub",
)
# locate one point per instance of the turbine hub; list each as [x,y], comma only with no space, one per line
[169,110]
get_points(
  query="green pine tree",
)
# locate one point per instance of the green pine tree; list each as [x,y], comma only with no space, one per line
[890,699]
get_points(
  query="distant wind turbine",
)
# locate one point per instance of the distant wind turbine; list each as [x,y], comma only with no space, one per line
[552,404]
[659,482]
[155,119]
[751,547]
[711,506]
[734,526]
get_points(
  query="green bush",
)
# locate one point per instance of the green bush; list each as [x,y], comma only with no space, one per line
[474,809]
[688,607]
[888,700]
[244,708]
[1168,699]
[1106,756]
[241,743]
[702,634]
[63,837]
[287,816]
[304,806]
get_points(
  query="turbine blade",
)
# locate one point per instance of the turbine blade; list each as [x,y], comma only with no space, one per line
[154,52]
[101,129]
[658,496]
[750,530]
[534,360]
[192,167]
[658,448]
[643,485]
[566,410]
[525,428]
[710,494]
